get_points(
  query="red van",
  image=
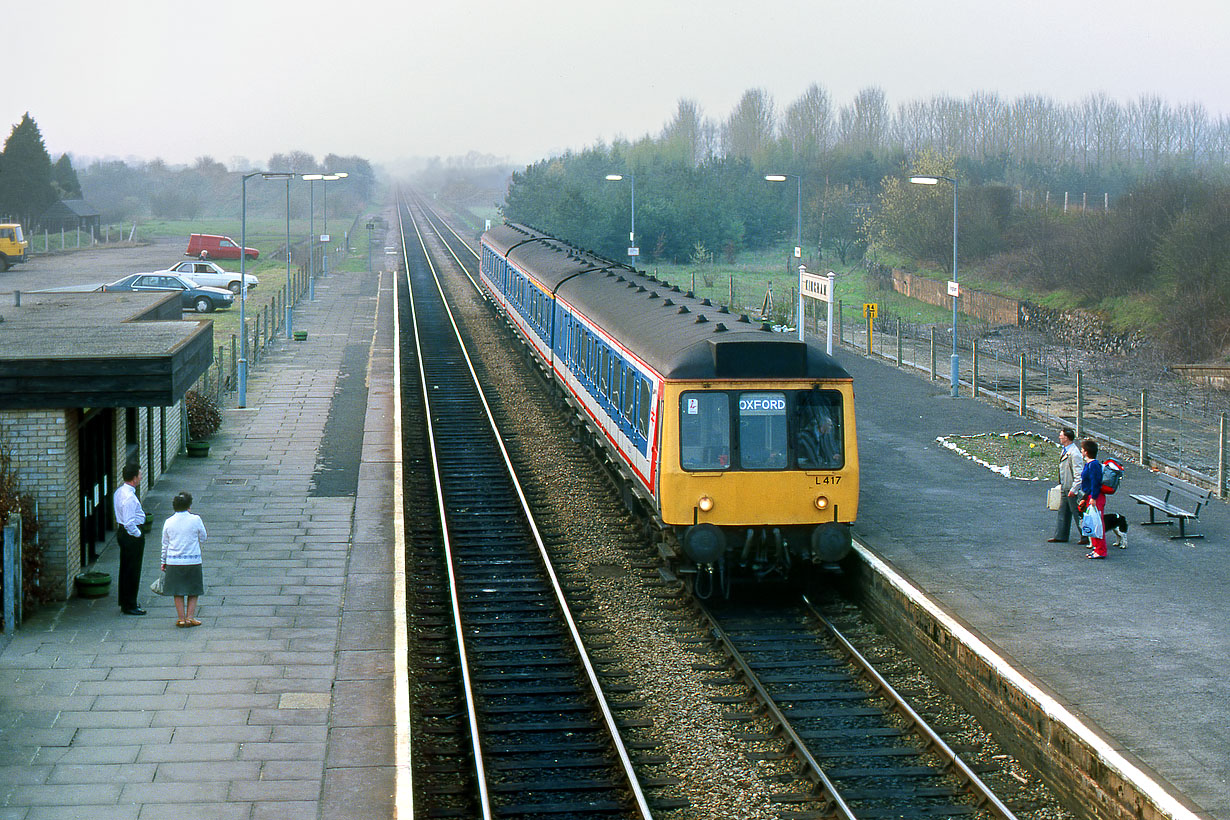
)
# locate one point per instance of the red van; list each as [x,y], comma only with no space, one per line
[208,246]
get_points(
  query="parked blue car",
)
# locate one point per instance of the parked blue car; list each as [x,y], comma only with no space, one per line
[192,296]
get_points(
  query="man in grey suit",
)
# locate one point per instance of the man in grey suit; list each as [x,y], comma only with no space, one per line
[1070,464]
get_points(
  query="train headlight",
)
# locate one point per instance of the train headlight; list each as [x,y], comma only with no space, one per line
[705,503]
[822,502]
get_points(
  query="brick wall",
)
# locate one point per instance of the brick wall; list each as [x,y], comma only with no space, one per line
[988,307]
[44,445]
[44,448]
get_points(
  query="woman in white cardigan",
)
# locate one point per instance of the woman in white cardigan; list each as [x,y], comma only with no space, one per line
[182,535]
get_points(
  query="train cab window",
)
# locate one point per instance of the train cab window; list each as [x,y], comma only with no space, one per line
[762,431]
[704,431]
[818,430]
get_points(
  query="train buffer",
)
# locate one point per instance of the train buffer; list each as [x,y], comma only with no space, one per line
[1180,501]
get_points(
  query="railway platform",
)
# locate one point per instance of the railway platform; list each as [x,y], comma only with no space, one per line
[281,703]
[1134,646]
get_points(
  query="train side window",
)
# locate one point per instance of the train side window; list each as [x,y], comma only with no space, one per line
[818,430]
[644,404]
[704,430]
[603,387]
[762,431]
[630,381]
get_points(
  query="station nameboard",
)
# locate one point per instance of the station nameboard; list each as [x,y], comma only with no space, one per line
[815,285]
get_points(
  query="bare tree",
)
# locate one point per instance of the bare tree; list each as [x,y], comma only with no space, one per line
[808,126]
[865,123]
[683,135]
[749,130]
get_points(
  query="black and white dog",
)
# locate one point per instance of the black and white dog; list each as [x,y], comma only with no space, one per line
[1116,522]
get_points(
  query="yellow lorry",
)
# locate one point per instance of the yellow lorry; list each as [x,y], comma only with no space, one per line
[13,245]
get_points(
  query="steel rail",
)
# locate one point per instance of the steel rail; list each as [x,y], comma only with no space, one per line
[981,791]
[471,712]
[574,632]
[768,702]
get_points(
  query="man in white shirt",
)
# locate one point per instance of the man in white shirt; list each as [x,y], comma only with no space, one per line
[129,518]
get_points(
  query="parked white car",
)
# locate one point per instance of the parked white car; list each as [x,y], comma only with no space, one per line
[211,275]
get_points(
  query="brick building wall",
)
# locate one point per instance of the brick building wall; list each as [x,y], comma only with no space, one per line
[44,446]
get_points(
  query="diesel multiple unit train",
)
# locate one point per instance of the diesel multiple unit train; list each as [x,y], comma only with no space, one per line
[739,442]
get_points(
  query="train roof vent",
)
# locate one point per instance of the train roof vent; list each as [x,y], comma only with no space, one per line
[700,319]
[692,295]
[651,277]
[641,289]
[684,309]
[653,294]
[612,273]
[743,318]
[676,289]
[723,309]
[668,303]
[705,302]
[621,279]
[719,328]
[766,327]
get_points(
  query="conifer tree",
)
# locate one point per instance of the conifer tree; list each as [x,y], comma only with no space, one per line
[25,174]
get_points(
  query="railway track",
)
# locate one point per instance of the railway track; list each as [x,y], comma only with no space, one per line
[867,751]
[508,716]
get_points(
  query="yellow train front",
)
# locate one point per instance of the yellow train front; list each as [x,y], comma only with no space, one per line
[759,475]
[737,442]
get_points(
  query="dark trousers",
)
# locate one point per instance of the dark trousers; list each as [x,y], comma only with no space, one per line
[132,551]
[1067,513]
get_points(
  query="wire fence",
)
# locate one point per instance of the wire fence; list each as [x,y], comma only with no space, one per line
[1142,410]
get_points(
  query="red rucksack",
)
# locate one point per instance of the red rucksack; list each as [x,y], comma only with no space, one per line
[1112,471]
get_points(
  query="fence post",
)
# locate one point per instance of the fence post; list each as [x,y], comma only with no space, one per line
[933,353]
[898,341]
[233,373]
[1080,405]
[841,334]
[1144,427]
[973,373]
[1221,456]
[1022,394]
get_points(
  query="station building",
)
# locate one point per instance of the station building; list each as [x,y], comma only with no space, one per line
[88,383]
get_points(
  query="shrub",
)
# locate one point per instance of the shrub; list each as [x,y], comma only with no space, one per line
[203,416]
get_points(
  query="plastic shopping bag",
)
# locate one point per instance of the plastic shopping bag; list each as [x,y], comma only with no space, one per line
[1054,497]
[1091,522]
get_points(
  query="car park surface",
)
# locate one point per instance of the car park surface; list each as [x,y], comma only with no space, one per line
[192,296]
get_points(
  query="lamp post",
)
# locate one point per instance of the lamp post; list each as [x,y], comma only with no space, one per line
[798,244]
[953,289]
[633,250]
[370,226]
[242,399]
[311,178]
[290,293]
[324,232]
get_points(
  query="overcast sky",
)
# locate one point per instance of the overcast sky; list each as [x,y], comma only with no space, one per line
[394,79]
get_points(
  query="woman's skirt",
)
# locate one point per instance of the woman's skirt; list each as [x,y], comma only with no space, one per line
[183,579]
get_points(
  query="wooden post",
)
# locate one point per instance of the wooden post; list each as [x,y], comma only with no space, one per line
[1080,405]
[932,353]
[1221,456]
[973,373]
[898,341]
[841,334]
[1144,427]
[1021,399]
